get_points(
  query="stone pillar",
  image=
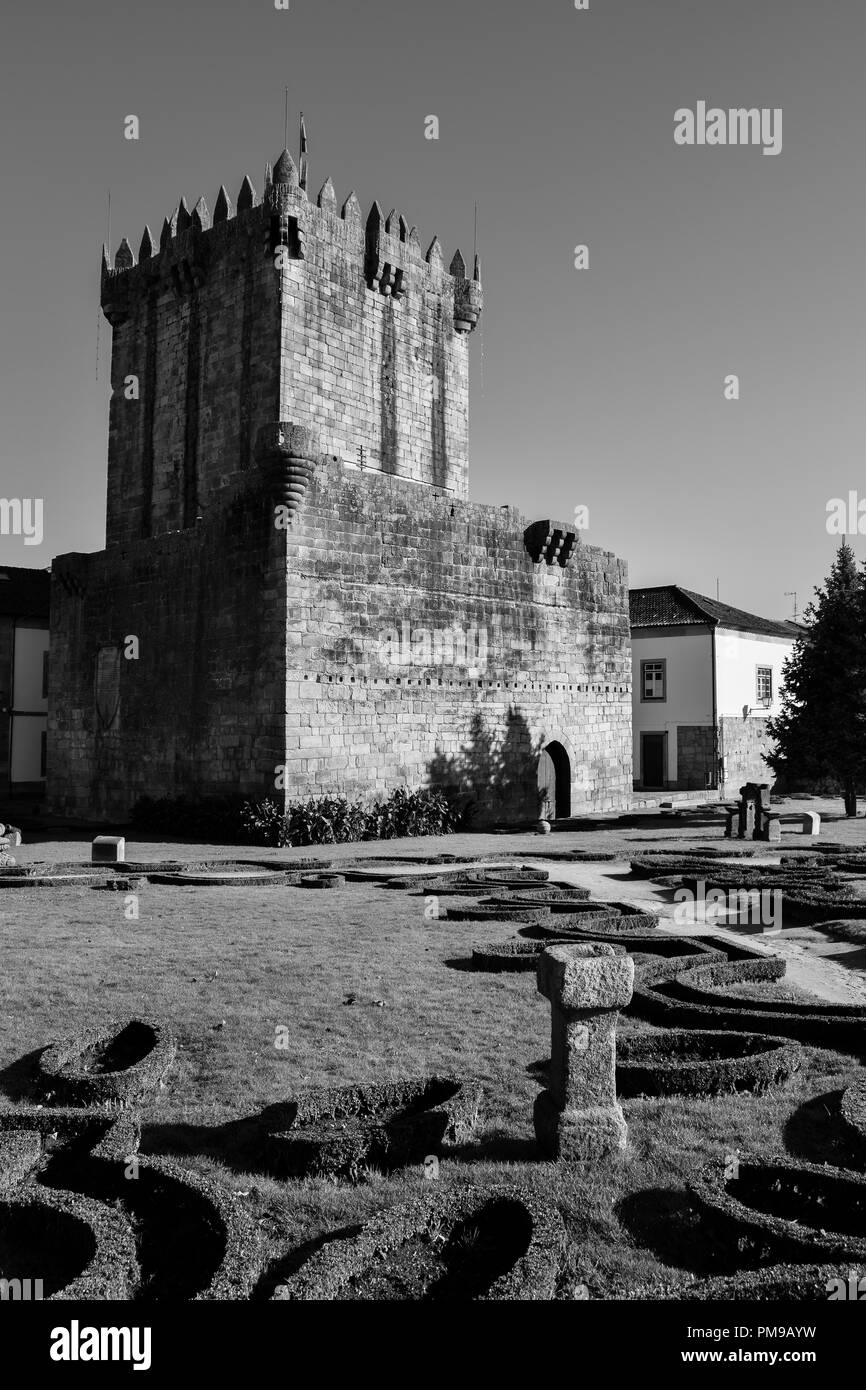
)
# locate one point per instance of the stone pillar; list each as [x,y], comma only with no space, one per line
[578,1116]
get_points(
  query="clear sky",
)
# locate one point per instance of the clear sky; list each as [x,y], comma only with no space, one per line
[601,387]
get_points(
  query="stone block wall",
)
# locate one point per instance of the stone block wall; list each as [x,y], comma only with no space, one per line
[197,324]
[383,377]
[742,742]
[272,351]
[262,648]
[696,757]
[201,711]
[284,310]
[557,663]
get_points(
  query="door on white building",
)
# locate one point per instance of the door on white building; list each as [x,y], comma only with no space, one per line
[29,717]
[653,761]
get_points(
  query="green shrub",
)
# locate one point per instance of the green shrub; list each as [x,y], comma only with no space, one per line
[325,820]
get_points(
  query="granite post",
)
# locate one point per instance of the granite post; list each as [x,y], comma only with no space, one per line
[578,1117]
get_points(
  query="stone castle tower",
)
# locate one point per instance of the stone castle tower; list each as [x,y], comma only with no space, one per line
[291,564]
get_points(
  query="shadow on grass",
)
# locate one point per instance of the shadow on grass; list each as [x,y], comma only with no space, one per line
[18,1080]
[236,1144]
[497,1146]
[278,1270]
[676,1229]
[459,963]
[816,1133]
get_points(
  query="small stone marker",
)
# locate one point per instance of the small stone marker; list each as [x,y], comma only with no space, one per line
[811,823]
[108,849]
[579,1117]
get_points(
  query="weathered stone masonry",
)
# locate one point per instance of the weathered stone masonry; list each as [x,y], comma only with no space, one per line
[275,352]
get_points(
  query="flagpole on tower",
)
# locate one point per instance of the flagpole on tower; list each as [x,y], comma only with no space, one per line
[302,156]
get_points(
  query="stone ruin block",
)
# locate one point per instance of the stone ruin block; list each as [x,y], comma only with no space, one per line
[108,849]
[578,1117]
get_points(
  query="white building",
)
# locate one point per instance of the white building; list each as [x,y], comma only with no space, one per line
[706,677]
[23,686]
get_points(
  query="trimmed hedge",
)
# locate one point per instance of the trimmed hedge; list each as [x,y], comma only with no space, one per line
[817,906]
[177,1211]
[39,1130]
[79,1248]
[466,884]
[476,913]
[779,1283]
[615,923]
[704,852]
[496,1243]
[114,1063]
[790,1208]
[337,1133]
[233,878]
[537,897]
[678,999]
[853,1111]
[695,1062]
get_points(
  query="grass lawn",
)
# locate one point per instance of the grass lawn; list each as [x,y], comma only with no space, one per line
[227,967]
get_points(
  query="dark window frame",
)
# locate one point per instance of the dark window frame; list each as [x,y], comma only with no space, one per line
[763,701]
[654,699]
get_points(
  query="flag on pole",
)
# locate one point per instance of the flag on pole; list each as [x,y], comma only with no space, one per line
[302,162]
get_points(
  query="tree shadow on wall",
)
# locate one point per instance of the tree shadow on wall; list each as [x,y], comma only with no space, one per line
[494,777]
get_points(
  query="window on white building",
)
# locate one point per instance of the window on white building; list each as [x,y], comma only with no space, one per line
[765,685]
[653,680]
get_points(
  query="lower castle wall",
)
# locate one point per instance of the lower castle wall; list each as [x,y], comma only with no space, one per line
[268,654]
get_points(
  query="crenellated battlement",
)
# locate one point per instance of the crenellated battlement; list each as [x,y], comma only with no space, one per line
[281,307]
[387,249]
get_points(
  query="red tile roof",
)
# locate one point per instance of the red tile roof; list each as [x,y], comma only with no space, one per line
[671,606]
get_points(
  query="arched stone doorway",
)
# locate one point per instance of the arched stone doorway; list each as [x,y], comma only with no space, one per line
[554,782]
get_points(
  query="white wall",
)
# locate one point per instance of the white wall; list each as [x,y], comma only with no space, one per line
[738,654]
[689,690]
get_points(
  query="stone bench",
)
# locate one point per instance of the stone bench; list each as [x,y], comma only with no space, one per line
[810,821]
[771,826]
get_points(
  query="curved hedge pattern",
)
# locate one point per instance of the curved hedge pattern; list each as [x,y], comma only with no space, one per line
[681,999]
[481,1244]
[338,1132]
[115,1063]
[41,1129]
[797,1209]
[853,1111]
[696,1062]
[780,1283]
[88,1248]
[474,912]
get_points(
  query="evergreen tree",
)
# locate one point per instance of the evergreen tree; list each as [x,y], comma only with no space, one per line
[820,731]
